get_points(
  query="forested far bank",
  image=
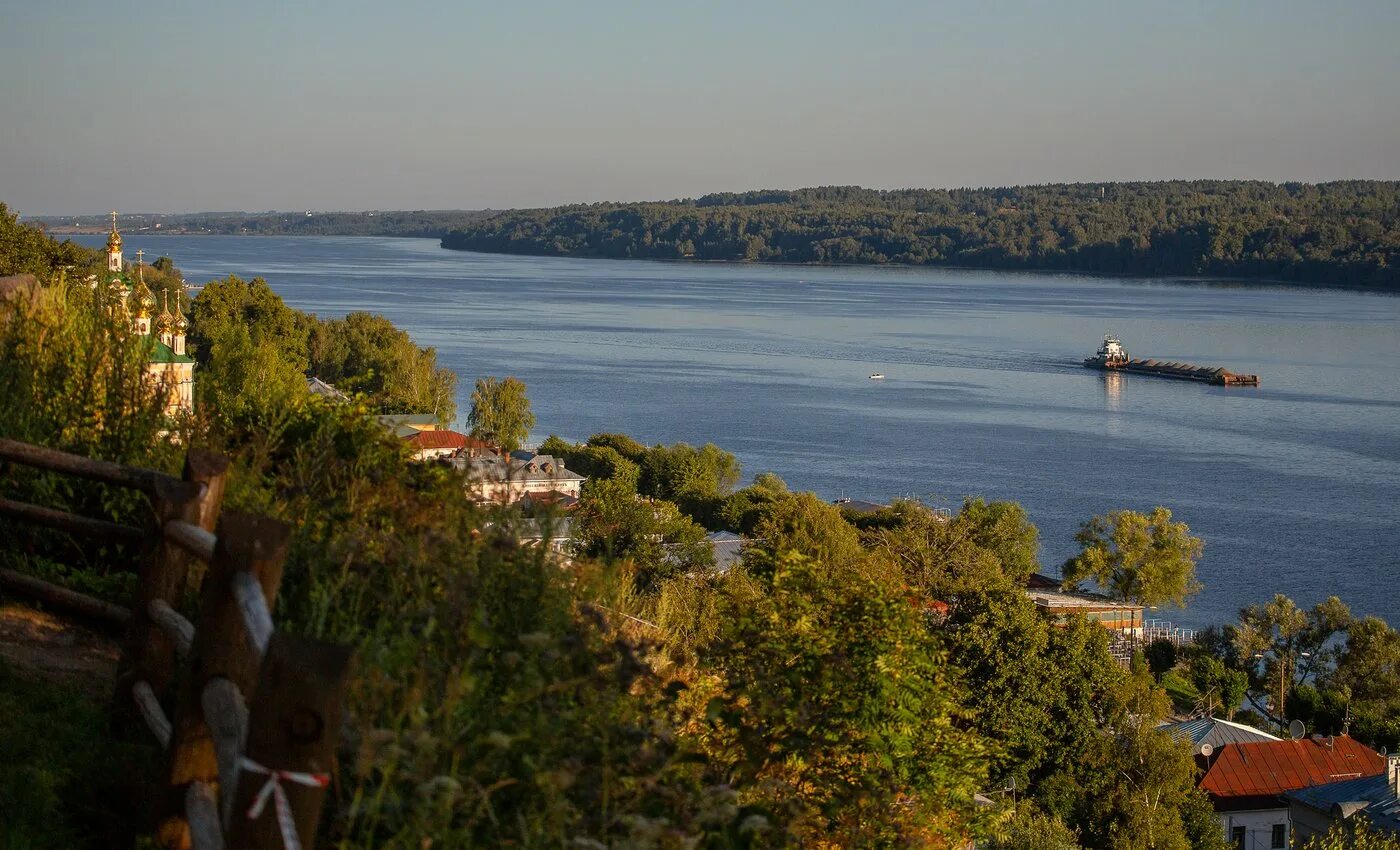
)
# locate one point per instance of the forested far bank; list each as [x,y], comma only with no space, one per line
[1340,234]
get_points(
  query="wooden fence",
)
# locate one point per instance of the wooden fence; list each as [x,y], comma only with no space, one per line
[239,773]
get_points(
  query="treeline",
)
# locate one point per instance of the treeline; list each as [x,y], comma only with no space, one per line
[426,223]
[1343,233]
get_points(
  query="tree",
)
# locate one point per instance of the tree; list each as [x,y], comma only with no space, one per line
[1003,529]
[1278,644]
[612,522]
[1353,834]
[1139,782]
[806,525]
[1161,657]
[835,711]
[1143,558]
[1030,829]
[501,412]
[366,353]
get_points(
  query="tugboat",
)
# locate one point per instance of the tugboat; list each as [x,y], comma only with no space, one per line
[1112,357]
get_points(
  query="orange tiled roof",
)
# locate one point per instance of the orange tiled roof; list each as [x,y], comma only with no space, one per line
[1266,768]
[443,439]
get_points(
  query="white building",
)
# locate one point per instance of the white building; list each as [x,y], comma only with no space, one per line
[492,478]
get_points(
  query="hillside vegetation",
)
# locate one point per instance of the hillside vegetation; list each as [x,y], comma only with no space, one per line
[1345,233]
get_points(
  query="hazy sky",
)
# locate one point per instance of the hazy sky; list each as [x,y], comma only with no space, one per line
[173,105]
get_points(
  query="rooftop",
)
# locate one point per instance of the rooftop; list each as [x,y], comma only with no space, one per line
[1269,768]
[444,439]
[1374,795]
[1216,732]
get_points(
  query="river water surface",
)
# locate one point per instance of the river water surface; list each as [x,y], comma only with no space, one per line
[1294,485]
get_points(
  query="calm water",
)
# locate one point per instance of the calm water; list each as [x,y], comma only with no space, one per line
[1294,485]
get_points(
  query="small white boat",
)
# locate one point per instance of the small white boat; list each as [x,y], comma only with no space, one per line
[877,377]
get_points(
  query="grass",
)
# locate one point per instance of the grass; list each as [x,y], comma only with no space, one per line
[64,782]
[1184,695]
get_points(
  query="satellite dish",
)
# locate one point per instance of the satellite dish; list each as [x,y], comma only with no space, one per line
[1296,729]
[1206,750]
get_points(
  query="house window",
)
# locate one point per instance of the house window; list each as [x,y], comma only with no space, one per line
[1237,834]
[1280,836]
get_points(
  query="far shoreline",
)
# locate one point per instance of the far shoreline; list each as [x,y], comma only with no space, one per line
[1183,280]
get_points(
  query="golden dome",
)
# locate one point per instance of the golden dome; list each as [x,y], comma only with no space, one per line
[114,241]
[163,322]
[181,323]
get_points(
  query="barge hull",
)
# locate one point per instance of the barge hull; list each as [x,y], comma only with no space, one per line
[1180,371]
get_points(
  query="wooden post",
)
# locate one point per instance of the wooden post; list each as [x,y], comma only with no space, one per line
[221,649]
[149,653]
[293,726]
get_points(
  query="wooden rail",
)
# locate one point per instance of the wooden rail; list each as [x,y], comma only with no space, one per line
[241,772]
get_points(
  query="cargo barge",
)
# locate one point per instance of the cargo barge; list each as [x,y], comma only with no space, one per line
[1112,357]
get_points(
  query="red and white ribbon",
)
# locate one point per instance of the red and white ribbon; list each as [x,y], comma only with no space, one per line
[273,788]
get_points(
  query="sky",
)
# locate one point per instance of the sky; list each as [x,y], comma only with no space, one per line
[178,106]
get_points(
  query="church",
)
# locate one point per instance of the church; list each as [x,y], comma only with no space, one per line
[168,367]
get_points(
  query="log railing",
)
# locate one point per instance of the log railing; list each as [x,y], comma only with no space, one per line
[240,772]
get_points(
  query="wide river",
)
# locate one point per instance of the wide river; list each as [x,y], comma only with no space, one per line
[1294,485]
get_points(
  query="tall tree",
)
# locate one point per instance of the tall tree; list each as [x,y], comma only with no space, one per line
[1144,558]
[501,412]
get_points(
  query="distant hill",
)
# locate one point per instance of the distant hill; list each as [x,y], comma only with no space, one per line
[1344,233]
[429,223]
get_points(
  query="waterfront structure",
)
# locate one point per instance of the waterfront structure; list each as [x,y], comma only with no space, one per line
[1123,618]
[438,443]
[1248,782]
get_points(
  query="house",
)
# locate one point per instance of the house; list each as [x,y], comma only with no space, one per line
[406,424]
[507,480]
[1246,782]
[1206,734]
[1124,618]
[557,534]
[727,548]
[318,387]
[1376,799]
[439,443]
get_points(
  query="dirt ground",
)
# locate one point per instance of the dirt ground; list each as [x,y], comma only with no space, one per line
[52,647]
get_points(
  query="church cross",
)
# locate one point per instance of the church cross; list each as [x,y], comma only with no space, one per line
[114,221]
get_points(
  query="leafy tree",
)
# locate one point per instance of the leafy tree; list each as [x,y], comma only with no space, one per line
[245,374]
[225,306]
[1140,784]
[1142,558]
[1003,529]
[1278,644]
[942,559]
[1354,834]
[1030,829]
[501,412]
[1033,689]
[612,522]
[1222,687]
[26,249]
[835,712]
[805,524]
[367,354]
[1161,657]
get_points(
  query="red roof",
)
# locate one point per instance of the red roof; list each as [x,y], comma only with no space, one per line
[444,440]
[1268,768]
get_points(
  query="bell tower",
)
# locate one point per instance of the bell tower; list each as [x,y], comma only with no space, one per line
[114,248]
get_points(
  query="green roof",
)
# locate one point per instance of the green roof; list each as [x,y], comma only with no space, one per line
[162,353]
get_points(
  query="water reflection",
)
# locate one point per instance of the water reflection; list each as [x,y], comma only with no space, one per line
[1113,391]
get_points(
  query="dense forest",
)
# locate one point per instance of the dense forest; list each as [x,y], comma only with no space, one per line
[426,223]
[1345,233]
